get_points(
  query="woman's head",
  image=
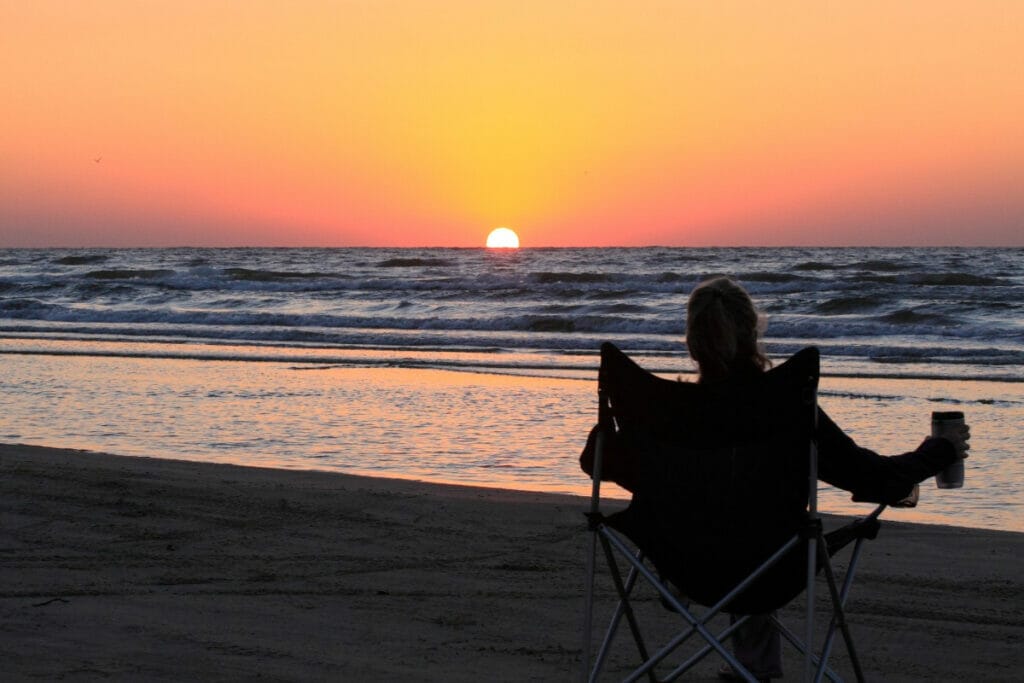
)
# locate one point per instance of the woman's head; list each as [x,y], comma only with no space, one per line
[722,329]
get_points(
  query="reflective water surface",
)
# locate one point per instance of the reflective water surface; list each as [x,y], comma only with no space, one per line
[480,428]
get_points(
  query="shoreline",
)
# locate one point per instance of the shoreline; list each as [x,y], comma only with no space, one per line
[611,494]
[353,355]
[139,568]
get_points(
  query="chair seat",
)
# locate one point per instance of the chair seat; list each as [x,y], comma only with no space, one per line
[706,567]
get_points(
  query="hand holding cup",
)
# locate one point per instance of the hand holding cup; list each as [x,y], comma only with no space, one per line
[951,426]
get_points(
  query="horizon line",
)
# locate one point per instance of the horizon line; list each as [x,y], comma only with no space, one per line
[535,247]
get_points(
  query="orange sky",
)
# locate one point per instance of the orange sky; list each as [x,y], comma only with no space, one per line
[415,122]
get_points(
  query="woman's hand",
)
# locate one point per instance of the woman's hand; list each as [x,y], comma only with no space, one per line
[959,436]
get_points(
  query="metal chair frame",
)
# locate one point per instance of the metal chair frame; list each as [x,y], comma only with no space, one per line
[815,665]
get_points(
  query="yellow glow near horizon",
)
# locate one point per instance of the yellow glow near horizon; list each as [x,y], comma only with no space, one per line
[408,123]
[502,238]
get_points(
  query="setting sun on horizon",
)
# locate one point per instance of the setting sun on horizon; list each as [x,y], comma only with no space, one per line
[413,124]
[503,238]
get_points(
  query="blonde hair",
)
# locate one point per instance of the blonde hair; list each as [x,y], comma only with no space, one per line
[723,329]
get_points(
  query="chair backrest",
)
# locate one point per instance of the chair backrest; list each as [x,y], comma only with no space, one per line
[723,473]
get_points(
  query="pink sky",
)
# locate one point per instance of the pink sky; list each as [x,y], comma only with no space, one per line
[407,123]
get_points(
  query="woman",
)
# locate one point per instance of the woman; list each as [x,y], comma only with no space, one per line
[723,331]
[723,337]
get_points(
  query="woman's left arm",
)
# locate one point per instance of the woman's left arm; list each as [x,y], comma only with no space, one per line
[873,477]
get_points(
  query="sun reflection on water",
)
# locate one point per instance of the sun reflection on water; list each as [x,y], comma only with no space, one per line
[459,427]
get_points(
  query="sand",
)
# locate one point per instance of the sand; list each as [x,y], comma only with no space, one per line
[118,568]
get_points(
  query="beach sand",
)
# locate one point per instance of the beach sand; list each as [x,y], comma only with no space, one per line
[146,569]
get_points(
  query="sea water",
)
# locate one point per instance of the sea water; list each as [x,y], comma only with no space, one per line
[478,367]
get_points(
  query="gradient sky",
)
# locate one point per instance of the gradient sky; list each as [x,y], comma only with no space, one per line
[429,122]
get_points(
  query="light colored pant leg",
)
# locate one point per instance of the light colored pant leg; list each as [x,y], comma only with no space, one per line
[758,646]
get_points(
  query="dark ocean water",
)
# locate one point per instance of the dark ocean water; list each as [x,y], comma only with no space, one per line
[478,367]
[889,312]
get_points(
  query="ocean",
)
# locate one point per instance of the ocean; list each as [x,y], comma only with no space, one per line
[477,366]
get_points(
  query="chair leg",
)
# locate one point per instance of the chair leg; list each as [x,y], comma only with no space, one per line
[627,607]
[802,648]
[588,611]
[839,617]
[613,625]
[844,593]
[834,623]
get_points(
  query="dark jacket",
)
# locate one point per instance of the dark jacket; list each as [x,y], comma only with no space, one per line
[841,462]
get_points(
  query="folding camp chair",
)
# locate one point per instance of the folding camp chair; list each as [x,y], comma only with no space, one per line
[724,510]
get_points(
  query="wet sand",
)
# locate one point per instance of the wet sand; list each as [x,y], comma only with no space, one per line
[119,568]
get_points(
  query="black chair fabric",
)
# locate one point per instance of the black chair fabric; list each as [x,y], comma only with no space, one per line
[722,474]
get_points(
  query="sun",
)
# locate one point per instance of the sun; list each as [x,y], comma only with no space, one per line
[502,238]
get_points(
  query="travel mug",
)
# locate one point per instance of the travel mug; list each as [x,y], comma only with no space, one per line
[942,423]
